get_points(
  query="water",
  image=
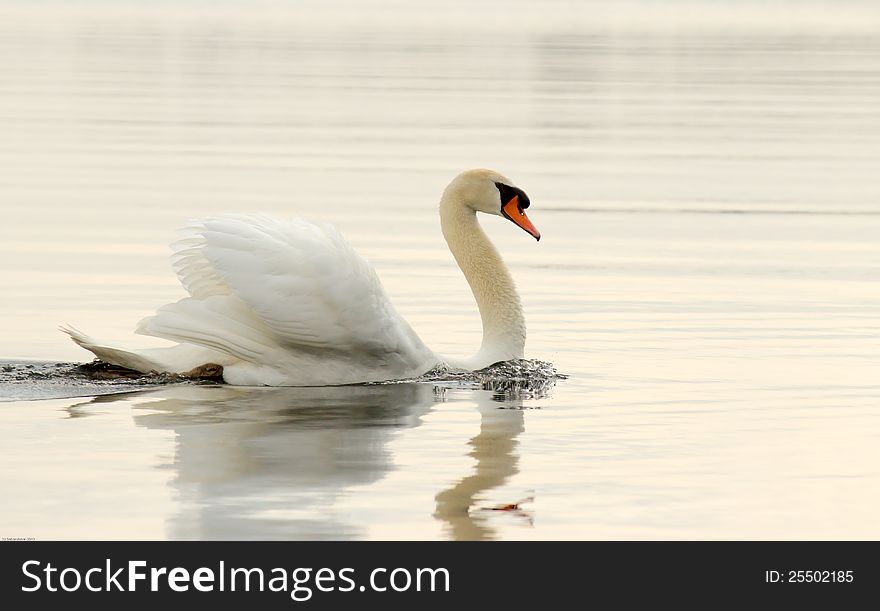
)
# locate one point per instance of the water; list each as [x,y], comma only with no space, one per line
[705,183]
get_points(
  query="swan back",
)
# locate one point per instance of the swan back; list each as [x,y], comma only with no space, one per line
[293,295]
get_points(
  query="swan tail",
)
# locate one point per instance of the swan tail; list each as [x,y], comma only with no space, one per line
[221,323]
[114,356]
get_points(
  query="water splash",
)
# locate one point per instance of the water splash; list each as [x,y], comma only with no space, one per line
[519,378]
[48,380]
[516,378]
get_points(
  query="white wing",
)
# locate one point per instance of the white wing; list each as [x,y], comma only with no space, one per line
[259,285]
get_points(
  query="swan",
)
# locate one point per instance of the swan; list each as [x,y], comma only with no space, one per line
[290,303]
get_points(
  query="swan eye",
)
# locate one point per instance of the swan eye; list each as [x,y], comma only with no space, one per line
[508,192]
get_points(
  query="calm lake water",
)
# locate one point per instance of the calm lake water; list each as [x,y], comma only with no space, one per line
[706,183]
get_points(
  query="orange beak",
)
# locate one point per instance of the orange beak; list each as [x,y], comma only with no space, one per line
[513,211]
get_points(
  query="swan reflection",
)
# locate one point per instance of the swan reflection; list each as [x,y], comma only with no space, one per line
[281,463]
[271,463]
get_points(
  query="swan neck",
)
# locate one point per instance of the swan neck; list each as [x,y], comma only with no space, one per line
[504,329]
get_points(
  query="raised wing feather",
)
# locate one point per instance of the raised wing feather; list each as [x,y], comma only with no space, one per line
[303,280]
[195,272]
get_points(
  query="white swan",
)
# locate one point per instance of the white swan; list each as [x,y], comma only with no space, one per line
[292,304]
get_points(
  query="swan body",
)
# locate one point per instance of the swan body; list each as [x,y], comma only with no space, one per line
[290,303]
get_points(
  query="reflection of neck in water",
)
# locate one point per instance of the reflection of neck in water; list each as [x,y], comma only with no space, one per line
[493,449]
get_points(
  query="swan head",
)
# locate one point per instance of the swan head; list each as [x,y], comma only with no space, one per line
[489,192]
